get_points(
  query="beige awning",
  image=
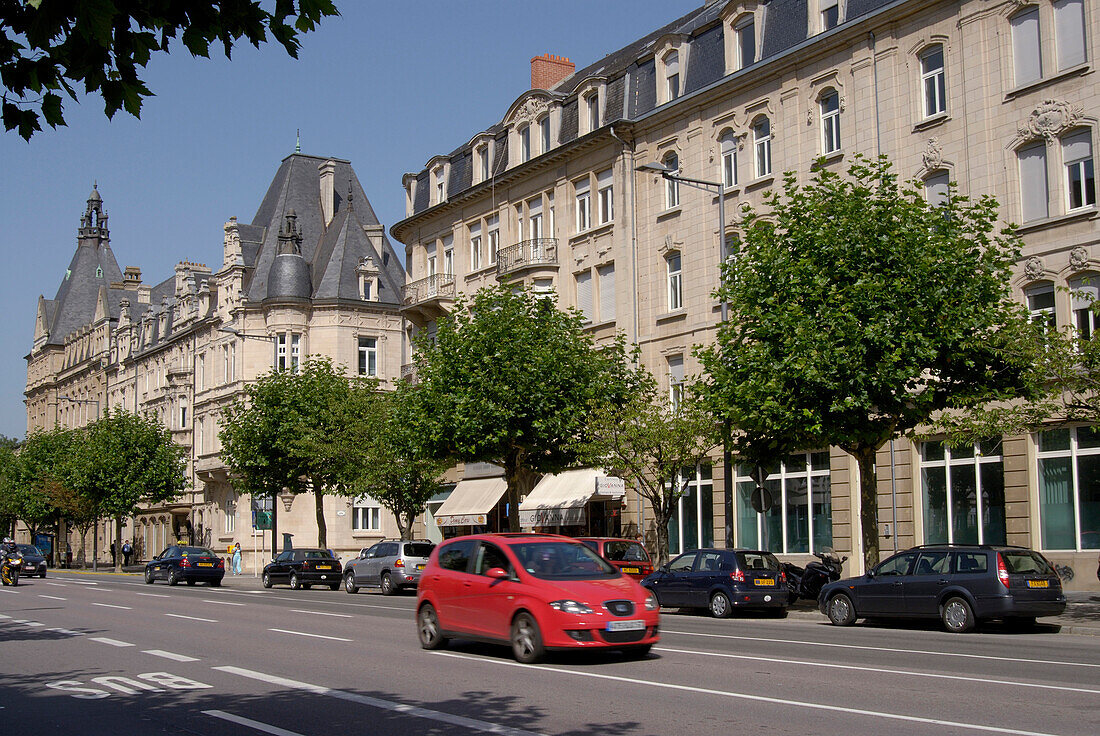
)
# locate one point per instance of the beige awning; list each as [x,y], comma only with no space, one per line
[560,500]
[470,502]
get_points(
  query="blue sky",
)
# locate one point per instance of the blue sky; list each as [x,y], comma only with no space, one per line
[386,86]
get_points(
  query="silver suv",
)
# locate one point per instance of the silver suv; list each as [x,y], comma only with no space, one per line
[391,565]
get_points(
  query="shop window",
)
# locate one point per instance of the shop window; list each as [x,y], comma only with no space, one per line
[800,515]
[963,493]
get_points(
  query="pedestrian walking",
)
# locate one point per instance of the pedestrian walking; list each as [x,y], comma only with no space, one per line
[113,553]
[127,552]
[237,558]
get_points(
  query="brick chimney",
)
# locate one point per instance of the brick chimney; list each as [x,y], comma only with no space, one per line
[547,70]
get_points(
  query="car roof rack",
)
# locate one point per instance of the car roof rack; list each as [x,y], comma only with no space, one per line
[956,545]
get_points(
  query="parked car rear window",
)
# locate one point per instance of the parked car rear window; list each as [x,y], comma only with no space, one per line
[456,555]
[563,560]
[419,549]
[29,549]
[1024,561]
[197,551]
[313,554]
[625,552]
[757,561]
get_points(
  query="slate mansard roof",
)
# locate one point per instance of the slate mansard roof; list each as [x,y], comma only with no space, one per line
[631,76]
[325,269]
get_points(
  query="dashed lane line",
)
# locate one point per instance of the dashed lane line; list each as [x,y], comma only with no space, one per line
[312,636]
[222,603]
[111,605]
[412,710]
[256,725]
[192,618]
[153,595]
[321,613]
[111,642]
[971,727]
[52,597]
[169,655]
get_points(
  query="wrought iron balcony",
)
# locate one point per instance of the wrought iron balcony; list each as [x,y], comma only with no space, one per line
[437,286]
[537,252]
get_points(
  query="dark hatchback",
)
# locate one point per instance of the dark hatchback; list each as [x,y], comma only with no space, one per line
[721,580]
[961,585]
[303,568]
[34,562]
[189,564]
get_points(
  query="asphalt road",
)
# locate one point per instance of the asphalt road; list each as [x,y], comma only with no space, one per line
[107,654]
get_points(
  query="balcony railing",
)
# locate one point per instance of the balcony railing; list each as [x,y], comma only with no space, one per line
[537,252]
[438,286]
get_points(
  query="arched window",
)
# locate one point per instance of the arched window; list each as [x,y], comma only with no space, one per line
[1040,306]
[933,86]
[936,188]
[830,121]
[672,187]
[728,144]
[762,145]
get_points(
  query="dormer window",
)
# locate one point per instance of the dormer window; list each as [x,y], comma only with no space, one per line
[525,143]
[746,42]
[830,14]
[483,161]
[544,134]
[439,179]
[672,76]
[592,107]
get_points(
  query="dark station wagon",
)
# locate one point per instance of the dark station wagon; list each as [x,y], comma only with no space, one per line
[959,584]
[721,580]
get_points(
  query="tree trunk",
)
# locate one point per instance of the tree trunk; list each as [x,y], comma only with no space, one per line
[521,480]
[118,544]
[322,528]
[662,512]
[868,503]
[405,522]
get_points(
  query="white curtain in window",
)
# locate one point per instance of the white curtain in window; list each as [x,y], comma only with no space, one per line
[1069,32]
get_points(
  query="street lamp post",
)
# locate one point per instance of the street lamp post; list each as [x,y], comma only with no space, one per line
[719,187]
[95,537]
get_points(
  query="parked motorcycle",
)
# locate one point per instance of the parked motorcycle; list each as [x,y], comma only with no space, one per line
[11,564]
[807,582]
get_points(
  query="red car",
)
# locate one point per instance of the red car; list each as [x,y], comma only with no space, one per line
[535,592]
[626,554]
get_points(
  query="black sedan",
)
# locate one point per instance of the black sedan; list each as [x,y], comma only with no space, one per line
[721,580]
[303,568]
[190,564]
[34,562]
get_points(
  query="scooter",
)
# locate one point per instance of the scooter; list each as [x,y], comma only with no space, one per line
[807,582]
[11,563]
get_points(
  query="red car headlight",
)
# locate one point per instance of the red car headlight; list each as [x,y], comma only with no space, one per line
[651,603]
[569,606]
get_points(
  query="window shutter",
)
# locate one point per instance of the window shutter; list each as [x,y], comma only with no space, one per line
[607,292]
[1025,46]
[935,189]
[1077,146]
[1033,181]
[584,293]
[1069,32]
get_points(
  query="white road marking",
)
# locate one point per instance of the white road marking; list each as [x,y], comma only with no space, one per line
[70,632]
[313,636]
[769,640]
[863,668]
[241,721]
[34,624]
[169,655]
[52,597]
[223,603]
[4,615]
[757,698]
[59,585]
[111,605]
[321,613]
[153,595]
[79,582]
[378,703]
[192,618]
[112,642]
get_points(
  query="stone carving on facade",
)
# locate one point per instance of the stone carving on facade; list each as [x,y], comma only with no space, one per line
[1034,268]
[232,248]
[932,157]
[1050,119]
[533,108]
[1078,259]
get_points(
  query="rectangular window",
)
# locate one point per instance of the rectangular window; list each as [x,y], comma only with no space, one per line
[692,523]
[830,14]
[201,379]
[448,255]
[368,356]
[280,351]
[492,224]
[525,143]
[964,499]
[933,81]
[936,189]
[797,498]
[1080,176]
[1069,488]
[675,283]
[1069,32]
[183,414]
[746,44]
[1033,181]
[604,182]
[295,351]
[483,162]
[544,133]
[584,293]
[476,254]
[1083,295]
[672,76]
[230,515]
[607,292]
[830,123]
[1026,49]
[762,137]
[729,160]
[584,204]
[592,102]
[1040,306]
[675,382]
[366,515]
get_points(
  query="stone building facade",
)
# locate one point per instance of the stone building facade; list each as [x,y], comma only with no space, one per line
[312,274]
[997,97]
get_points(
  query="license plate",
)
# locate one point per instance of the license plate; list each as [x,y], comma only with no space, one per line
[420,566]
[205,564]
[1038,583]
[324,567]
[764,581]
[625,625]
[633,570]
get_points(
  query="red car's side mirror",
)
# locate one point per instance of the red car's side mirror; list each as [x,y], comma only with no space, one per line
[497,573]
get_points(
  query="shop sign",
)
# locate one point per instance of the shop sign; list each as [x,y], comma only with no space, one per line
[560,516]
[461,520]
[609,486]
